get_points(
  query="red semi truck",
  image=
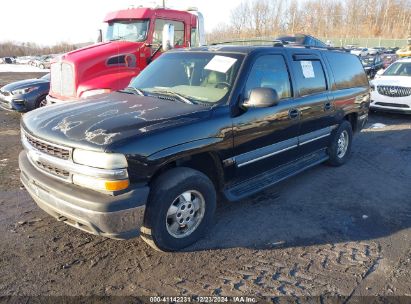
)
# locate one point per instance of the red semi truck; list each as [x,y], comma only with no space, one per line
[134,38]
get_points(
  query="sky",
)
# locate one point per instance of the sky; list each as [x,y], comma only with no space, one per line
[48,22]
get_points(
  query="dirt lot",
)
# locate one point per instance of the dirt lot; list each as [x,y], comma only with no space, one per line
[329,231]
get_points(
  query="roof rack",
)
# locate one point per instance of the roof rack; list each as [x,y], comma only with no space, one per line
[277,43]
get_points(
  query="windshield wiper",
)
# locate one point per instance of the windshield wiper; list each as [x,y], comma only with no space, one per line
[172,93]
[133,90]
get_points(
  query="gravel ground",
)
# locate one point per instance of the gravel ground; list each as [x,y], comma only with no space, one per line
[330,231]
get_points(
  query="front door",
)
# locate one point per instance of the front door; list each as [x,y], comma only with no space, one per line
[266,137]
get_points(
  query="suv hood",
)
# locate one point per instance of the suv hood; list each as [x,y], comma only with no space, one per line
[97,122]
[402,81]
[23,84]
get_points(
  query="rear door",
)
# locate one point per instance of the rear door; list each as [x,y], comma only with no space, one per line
[314,101]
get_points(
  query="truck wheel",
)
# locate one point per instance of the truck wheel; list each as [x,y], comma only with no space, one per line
[180,209]
[340,148]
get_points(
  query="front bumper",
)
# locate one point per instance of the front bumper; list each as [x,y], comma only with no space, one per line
[390,104]
[13,103]
[117,217]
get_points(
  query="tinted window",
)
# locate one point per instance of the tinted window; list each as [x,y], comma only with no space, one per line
[347,70]
[178,31]
[269,71]
[310,77]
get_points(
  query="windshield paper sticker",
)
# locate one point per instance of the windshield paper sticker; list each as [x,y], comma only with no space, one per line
[220,64]
[308,70]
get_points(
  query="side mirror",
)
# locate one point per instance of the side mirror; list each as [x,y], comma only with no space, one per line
[99,36]
[168,37]
[262,98]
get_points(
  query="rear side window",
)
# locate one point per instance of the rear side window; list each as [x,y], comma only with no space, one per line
[347,70]
[310,77]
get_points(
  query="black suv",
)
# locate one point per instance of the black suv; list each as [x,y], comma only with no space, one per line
[196,124]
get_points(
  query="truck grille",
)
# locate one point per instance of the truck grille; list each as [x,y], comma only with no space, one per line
[394,91]
[47,148]
[62,79]
[53,170]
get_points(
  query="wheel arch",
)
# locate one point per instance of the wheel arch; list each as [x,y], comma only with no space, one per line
[208,163]
[352,118]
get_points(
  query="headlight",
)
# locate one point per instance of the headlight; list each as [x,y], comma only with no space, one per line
[94,92]
[24,91]
[100,184]
[100,159]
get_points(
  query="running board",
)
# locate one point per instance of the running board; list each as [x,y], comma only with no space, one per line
[274,176]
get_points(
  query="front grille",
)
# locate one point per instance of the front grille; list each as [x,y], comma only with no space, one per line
[47,148]
[53,170]
[389,104]
[62,79]
[394,91]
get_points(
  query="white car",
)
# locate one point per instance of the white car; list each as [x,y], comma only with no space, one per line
[360,52]
[391,89]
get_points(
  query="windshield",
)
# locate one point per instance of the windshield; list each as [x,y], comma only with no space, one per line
[398,69]
[198,77]
[130,30]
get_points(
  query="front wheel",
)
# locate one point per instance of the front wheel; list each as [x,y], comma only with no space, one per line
[340,146]
[180,209]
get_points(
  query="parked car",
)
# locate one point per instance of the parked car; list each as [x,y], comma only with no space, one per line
[388,59]
[227,120]
[379,49]
[301,39]
[372,64]
[25,95]
[8,60]
[391,90]
[390,51]
[373,51]
[44,62]
[404,52]
[23,60]
[360,52]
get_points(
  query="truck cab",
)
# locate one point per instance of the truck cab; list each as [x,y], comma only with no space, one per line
[134,38]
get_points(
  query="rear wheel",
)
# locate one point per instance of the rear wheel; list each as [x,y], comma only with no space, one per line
[340,148]
[180,209]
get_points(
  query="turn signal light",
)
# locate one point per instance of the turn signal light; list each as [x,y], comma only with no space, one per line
[117,185]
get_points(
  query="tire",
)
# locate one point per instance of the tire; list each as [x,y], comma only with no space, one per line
[160,216]
[337,155]
[41,102]
[41,66]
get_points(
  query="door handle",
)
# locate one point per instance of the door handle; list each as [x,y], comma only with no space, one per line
[327,106]
[293,113]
